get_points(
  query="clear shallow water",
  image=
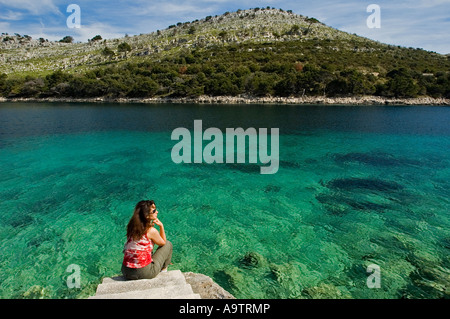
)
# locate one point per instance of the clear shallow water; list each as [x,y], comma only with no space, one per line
[356,186]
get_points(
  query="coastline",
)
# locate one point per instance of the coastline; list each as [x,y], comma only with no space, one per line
[359,100]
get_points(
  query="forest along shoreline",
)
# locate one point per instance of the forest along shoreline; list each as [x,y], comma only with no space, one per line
[243,99]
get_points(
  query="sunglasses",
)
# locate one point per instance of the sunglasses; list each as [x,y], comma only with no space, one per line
[153,211]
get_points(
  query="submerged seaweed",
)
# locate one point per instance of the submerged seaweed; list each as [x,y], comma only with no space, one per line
[336,204]
[375,159]
[272,189]
[371,184]
[252,260]
[346,194]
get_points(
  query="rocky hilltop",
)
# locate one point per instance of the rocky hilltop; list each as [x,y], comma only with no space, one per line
[23,54]
[262,53]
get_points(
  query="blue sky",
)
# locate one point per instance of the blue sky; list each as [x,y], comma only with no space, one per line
[411,23]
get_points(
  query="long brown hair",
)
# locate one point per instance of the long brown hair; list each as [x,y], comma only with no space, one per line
[140,221]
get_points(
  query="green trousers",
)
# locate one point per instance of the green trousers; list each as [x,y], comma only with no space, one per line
[160,260]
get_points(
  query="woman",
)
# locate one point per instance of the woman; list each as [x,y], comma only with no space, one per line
[138,260]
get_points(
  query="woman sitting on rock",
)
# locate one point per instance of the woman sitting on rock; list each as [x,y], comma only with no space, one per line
[138,260]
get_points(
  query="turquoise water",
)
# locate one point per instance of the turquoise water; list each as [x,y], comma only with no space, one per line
[356,186]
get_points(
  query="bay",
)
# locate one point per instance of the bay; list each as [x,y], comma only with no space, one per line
[357,185]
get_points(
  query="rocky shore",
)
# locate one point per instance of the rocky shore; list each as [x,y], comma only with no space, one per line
[206,287]
[360,100]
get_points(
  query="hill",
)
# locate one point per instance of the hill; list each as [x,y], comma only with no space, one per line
[258,52]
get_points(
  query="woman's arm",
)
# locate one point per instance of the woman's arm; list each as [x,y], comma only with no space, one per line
[159,238]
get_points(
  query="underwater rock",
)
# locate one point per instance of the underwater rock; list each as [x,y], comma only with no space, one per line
[20,223]
[243,167]
[375,159]
[36,292]
[364,205]
[444,243]
[292,277]
[430,279]
[326,291]
[288,164]
[339,205]
[311,161]
[372,184]
[229,279]
[429,283]
[287,272]
[252,260]
[206,287]
[206,208]
[347,195]
[272,189]
[333,204]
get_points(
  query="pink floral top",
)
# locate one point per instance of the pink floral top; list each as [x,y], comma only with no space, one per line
[138,254]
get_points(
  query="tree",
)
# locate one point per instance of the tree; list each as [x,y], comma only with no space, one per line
[107,52]
[182,69]
[337,87]
[81,86]
[294,30]
[67,39]
[358,83]
[3,77]
[298,66]
[56,78]
[223,34]
[32,86]
[261,84]
[220,84]
[287,86]
[401,84]
[124,47]
[143,87]
[97,38]
[311,80]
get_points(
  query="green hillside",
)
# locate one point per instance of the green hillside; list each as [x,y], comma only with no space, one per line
[256,52]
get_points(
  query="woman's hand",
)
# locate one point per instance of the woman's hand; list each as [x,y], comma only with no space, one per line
[158,222]
[158,238]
